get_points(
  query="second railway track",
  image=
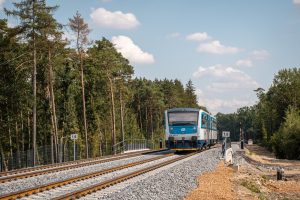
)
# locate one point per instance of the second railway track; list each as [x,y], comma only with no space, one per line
[53,185]
[82,185]
[30,172]
[104,184]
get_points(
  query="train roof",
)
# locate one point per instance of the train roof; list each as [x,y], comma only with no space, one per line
[189,110]
[183,110]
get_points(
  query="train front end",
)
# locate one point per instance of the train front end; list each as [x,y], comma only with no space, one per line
[181,128]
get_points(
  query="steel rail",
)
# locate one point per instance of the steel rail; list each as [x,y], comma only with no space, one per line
[113,181]
[46,170]
[23,170]
[34,190]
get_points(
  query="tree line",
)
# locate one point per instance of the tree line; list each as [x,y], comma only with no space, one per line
[274,121]
[50,89]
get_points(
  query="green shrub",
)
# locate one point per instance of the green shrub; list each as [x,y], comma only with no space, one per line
[251,186]
[286,141]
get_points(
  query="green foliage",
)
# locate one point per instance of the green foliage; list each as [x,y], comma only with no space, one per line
[286,141]
[59,68]
[251,186]
[274,120]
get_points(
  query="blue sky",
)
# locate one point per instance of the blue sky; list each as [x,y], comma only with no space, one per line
[227,48]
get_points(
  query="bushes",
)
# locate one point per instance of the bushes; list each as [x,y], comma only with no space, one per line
[286,141]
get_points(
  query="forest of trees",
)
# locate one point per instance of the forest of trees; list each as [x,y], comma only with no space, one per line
[51,88]
[275,120]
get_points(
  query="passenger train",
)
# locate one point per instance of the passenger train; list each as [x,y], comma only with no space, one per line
[189,129]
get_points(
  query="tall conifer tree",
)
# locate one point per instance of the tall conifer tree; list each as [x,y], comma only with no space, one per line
[32,14]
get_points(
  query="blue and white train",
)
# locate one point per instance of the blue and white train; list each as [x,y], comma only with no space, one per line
[189,129]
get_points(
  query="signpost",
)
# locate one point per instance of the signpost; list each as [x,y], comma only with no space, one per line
[74,137]
[225,134]
[226,147]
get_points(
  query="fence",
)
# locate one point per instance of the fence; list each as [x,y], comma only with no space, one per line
[24,159]
[137,144]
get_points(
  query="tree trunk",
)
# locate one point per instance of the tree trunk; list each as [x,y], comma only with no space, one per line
[52,134]
[147,125]
[140,114]
[53,107]
[34,87]
[29,130]
[83,106]
[113,121]
[18,144]
[9,135]
[122,118]
[151,121]
[3,163]
[22,131]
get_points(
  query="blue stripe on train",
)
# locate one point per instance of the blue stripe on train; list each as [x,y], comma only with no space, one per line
[183,129]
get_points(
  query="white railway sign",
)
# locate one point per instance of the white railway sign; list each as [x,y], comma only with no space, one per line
[74,136]
[225,133]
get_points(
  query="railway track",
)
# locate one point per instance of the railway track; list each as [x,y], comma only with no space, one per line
[119,179]
[36,171]
[82,185]
[35,190]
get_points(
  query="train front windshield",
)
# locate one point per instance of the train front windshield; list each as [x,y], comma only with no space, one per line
[183,118]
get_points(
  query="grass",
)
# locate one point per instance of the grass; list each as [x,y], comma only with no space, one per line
[251,186]
[262,197]
[265,178]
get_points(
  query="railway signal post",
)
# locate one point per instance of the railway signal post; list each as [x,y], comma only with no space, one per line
[74,137]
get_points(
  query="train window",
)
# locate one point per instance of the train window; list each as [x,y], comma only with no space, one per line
[183,118]
[203,120]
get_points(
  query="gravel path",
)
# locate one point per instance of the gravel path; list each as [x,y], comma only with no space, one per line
[17,185]
[170,182]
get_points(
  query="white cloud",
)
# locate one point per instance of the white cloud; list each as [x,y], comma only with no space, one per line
[260,54]
[226,78]
[1,3]
[244,63]
[198,36]
[223,88]
[117,20]
[68,36]
[217,104]
[131,51]
[254,56]
[215,47]
[297,2]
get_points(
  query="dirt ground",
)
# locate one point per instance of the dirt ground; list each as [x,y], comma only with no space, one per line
[250,181]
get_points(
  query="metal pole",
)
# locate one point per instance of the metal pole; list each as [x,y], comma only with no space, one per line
[0,163]
[241,136]
[74,151]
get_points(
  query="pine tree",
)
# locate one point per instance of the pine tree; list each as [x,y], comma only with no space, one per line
[32,14]
[190,96]
[80,28]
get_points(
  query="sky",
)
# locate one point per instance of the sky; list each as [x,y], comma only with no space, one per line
[227,48]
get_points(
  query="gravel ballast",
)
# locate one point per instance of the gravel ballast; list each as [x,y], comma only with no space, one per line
[59,191]
[170,182]
[26,183]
